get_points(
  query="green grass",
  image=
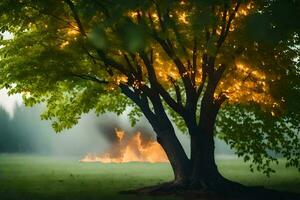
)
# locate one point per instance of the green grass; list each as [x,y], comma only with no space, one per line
[37,177]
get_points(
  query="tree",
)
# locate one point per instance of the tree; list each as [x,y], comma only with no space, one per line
[17,134]
[212,68]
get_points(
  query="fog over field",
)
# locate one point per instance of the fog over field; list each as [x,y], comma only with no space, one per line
[22,130]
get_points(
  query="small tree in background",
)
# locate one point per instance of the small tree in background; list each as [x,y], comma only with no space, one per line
[212,68]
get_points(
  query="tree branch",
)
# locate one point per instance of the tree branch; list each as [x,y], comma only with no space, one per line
[131,68]
[226,30]
[201,86]
[138,67]
[112,63]
[142,102]
[76,17]
[194,63]
[159,16]
[169,49]
[156,85]
[177,90]
[89,77]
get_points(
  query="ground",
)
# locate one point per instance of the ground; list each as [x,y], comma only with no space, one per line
[40,177]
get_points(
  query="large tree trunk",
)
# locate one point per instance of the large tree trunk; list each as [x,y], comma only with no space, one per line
[165,133]
[176,155]
[204,169]
[167,138]
[205,173]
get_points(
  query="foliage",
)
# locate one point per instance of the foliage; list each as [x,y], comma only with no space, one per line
[270,140]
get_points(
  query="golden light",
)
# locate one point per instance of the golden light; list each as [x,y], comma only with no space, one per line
[155,17]
[243,12]
[64,44]
[133,14]
[183,2]
[245,9]
[219,30]
[115,81]
[248,85]
[272,113]
[240,66]
[165,69]
[73,30]
[121,79]
[182,17]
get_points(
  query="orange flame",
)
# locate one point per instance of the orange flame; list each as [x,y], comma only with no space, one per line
[120,134]
[132,149]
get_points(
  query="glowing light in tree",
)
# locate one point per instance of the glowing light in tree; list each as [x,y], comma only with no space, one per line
[64,44]
[182,17]
[71,32]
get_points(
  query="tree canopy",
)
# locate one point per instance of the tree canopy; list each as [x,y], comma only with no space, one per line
[83,55]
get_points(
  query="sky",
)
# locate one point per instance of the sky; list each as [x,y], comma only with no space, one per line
[9,103]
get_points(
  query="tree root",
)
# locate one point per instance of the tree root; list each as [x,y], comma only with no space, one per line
[161,189]
[214,190]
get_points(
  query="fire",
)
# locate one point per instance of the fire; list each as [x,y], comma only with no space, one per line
[130,149]
[120,134]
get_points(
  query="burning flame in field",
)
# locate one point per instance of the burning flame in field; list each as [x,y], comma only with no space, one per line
[130,149]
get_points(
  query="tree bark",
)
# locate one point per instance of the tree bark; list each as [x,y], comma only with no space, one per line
[165,133]
[176,155]
[204,168]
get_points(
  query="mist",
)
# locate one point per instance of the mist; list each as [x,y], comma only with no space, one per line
[25,132]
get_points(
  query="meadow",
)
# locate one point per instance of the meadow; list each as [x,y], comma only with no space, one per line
[40,177]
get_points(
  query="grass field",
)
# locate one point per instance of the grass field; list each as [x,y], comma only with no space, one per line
[37,177]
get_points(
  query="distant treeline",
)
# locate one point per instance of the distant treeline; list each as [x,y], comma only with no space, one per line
[20,133]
